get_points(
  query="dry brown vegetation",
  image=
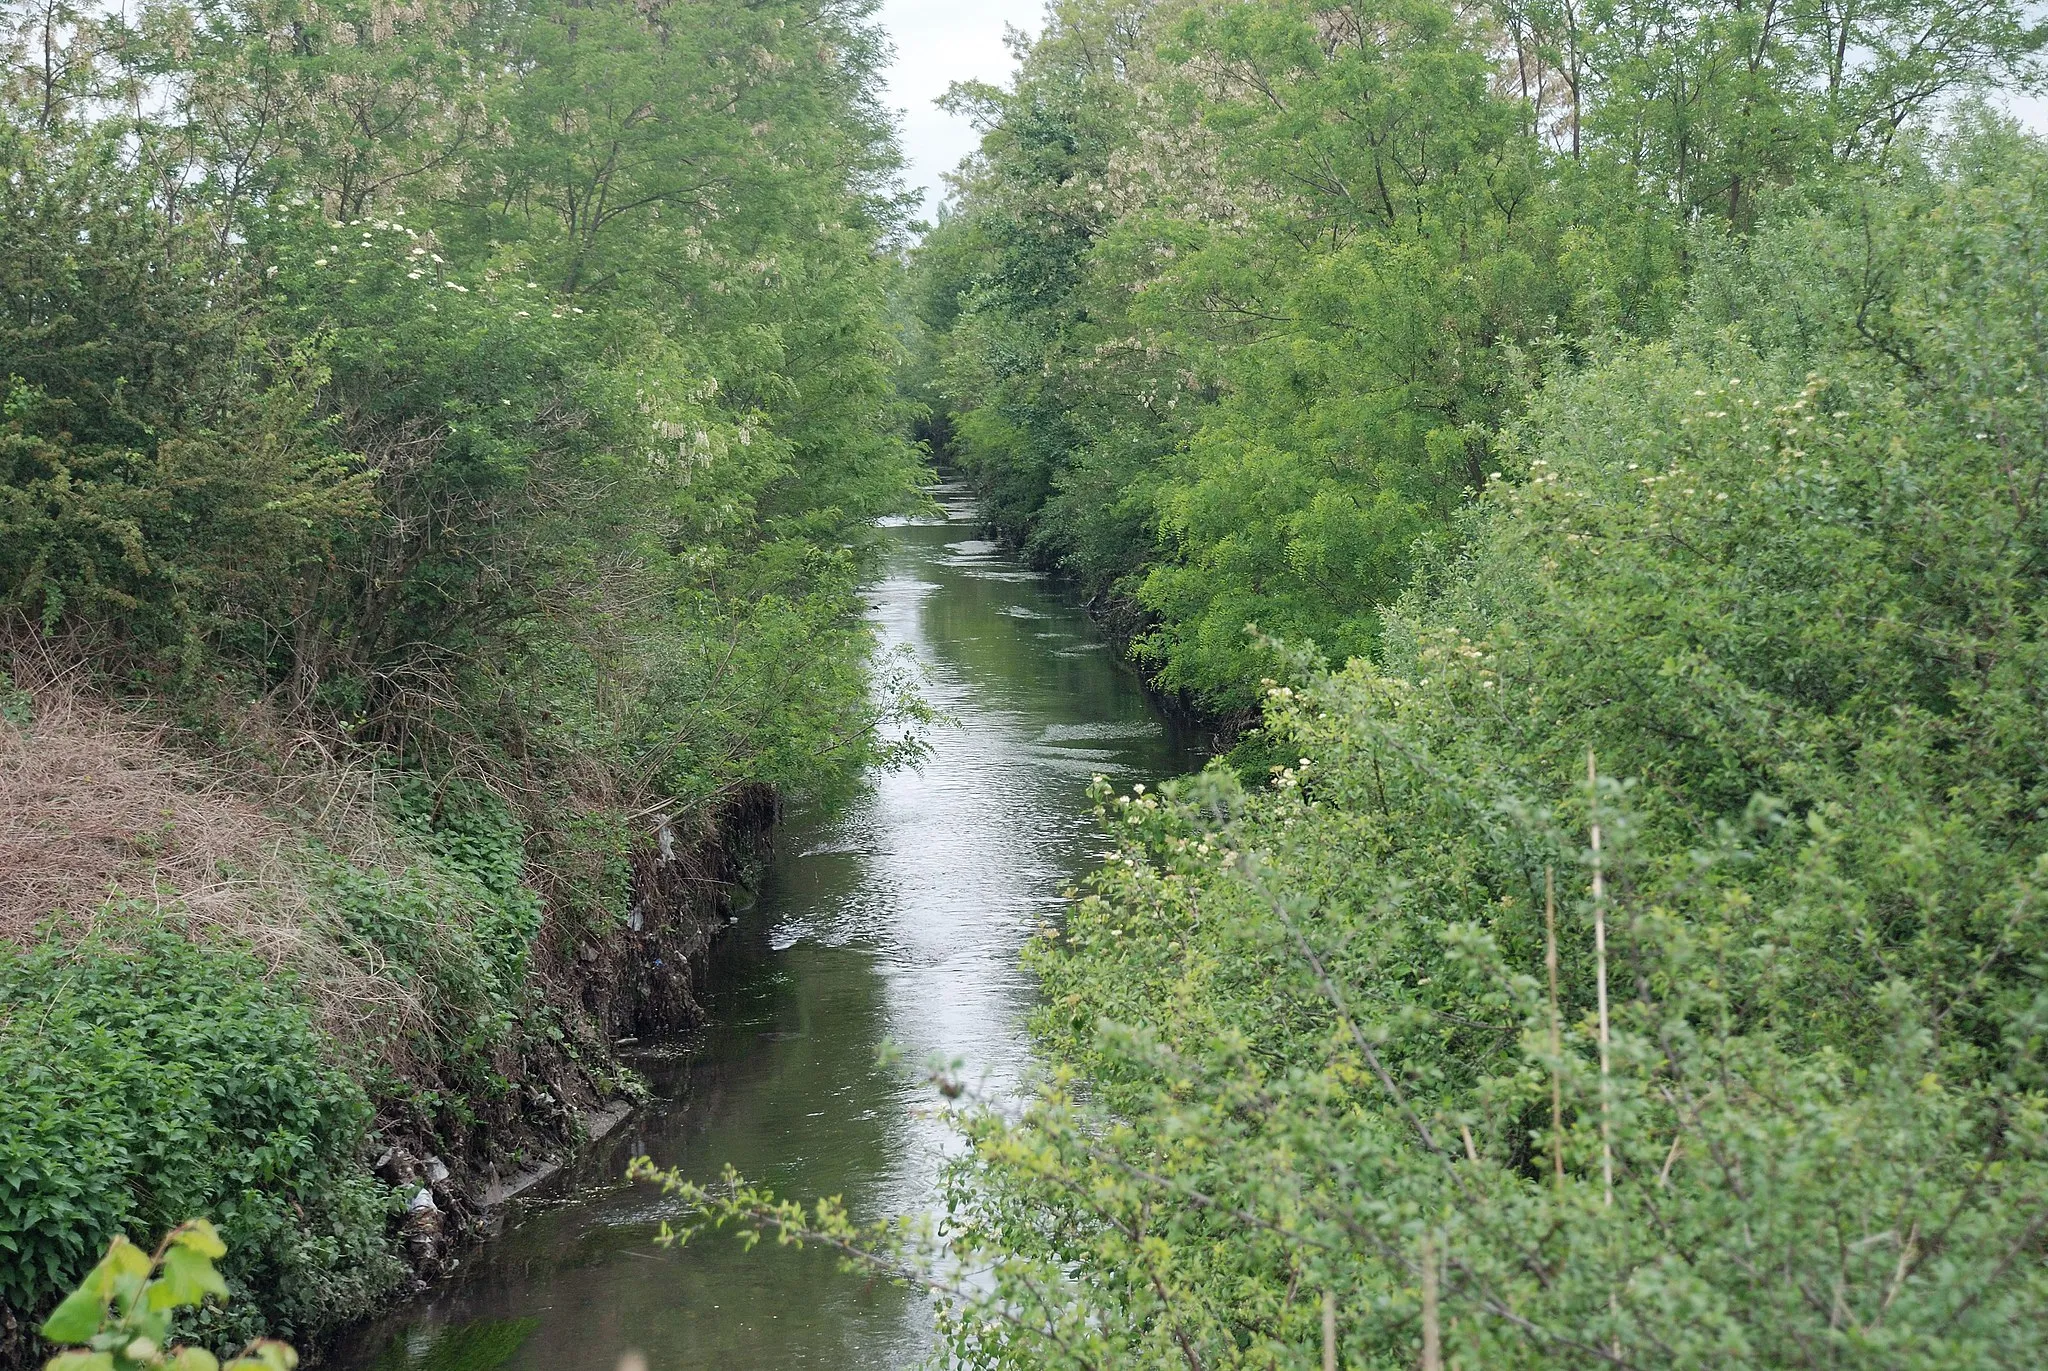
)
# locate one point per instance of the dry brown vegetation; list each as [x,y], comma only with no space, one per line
[99,807]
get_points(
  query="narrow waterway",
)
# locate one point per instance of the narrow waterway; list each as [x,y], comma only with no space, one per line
[898,921]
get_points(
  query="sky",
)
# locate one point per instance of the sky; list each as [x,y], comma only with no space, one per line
[939,42]
[2031,109]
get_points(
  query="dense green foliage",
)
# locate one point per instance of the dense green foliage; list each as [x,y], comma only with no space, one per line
[475,435]
[1780,580]
[454,925]
[151,1077]
[493,398]
[124,1310]
[1237,295]
[163,1069]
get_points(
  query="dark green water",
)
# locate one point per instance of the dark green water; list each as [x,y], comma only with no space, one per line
[898,921]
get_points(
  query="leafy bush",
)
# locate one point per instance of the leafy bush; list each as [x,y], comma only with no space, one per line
[160,479]
[1786,1104]
[420,462]
[455,923]
[150,1077]
[472,833]
[1237,297]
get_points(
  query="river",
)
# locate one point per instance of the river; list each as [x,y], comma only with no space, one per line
[898,920]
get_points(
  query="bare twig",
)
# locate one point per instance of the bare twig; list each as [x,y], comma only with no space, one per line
[1556,1028]
[1600,974]
[1432,1334]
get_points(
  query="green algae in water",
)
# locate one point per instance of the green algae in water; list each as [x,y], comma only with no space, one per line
[480,1345]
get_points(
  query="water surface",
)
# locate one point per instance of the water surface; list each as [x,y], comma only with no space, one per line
[899,920]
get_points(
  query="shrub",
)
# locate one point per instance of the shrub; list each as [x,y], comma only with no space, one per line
[1735,1059]
[150,1077]
[161,478]
[124,1309]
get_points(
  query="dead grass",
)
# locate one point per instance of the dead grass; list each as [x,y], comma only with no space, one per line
[97,805]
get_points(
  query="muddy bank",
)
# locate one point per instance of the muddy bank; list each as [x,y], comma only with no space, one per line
[638,977]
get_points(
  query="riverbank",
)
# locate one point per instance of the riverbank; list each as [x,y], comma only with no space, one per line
[422,591]
[339,1009]
[897,919]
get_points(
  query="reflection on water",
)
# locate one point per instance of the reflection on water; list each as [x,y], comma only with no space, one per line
[475,1346]
[897,921]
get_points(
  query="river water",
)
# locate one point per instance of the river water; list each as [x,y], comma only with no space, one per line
[897,921]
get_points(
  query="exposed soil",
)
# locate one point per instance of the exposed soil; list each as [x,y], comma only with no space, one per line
[636,979]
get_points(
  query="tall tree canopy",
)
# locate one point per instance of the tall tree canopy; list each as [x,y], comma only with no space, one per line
[498,376]
[1236,297]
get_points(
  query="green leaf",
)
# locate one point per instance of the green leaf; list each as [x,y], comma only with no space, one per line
[188,1278]
[79,1316]
[199,1235]
[154,1324]
[194,1359]
[80,1361]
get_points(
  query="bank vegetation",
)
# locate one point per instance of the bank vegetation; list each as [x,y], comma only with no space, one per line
[1598,454]
[438,444]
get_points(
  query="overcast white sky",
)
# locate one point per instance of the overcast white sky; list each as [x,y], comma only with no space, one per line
[939,42]
[2032,111]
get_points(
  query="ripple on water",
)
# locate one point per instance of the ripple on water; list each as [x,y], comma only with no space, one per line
[898,921]
[1127,728]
